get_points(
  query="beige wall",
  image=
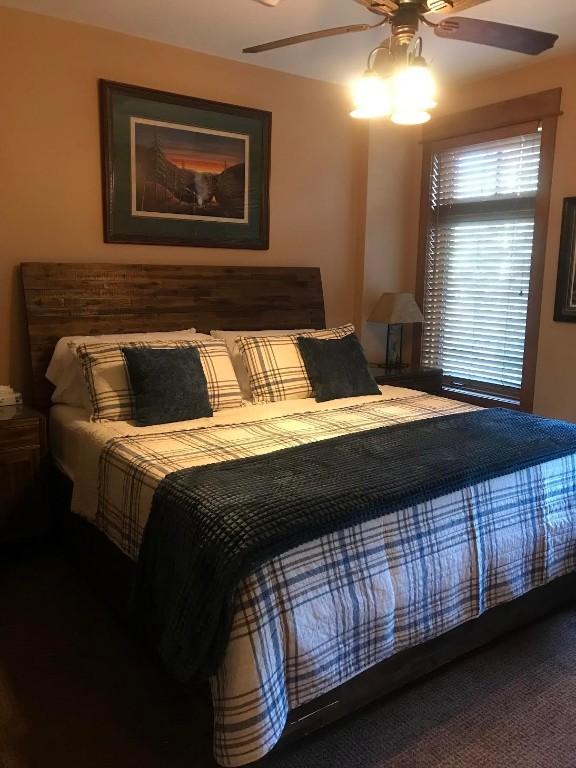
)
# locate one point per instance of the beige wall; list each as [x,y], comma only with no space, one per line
[50,193]
[391,231]
[555,394]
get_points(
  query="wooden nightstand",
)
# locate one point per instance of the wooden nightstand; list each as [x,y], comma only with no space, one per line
[424,379]
[23,504]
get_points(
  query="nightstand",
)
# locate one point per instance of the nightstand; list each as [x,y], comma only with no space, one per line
[23,505]
[424,379]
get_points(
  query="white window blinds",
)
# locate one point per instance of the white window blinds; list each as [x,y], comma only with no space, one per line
[478,261]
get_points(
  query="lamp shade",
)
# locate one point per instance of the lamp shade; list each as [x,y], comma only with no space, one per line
[396,308]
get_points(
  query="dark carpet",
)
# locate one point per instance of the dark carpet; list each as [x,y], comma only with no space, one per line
[76,690]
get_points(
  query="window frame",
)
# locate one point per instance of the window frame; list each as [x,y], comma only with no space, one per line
[490,123]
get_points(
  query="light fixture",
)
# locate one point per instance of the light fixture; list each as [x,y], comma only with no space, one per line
[414,91]
[410,117]
[406,94]
[371,95]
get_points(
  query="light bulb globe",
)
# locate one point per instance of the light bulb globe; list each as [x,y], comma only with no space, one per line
[414,88]
[410,117]
[371,97]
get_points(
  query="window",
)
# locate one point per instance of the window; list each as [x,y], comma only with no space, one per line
[478,263]
[482,254]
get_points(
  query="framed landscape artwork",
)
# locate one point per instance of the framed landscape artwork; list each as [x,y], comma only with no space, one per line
[183,171]
[565,307]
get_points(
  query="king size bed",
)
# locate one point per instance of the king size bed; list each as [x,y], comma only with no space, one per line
[300,558]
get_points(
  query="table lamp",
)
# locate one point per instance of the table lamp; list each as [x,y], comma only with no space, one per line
[395,310]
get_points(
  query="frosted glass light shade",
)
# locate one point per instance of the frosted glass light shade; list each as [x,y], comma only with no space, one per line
[410,117]
[414,89]
[371,96]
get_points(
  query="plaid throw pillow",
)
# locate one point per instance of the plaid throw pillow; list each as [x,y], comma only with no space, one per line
[106,375]
[275,366]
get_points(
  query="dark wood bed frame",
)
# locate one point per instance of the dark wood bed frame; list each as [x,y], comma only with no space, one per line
[85,299]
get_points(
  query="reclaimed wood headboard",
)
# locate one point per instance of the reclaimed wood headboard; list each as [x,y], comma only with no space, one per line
[89,299]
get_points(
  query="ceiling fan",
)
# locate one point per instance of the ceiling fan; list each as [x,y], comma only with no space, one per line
[405,17]
[401,85]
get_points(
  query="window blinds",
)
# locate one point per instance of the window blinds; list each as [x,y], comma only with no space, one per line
[479,254]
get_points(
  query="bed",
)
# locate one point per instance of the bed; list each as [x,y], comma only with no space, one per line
[337,621]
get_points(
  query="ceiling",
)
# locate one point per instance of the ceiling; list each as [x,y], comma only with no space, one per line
[224,27]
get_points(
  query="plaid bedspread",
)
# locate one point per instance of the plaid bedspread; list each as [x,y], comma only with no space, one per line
[310,619]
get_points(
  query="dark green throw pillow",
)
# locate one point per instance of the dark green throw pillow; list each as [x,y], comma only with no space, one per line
[168,385]
[337,367]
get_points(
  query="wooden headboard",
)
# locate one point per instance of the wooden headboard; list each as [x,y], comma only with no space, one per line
[89,299]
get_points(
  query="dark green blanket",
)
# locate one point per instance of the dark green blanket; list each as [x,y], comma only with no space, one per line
[210,526]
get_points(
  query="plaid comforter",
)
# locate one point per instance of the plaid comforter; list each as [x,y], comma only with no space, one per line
[312,618]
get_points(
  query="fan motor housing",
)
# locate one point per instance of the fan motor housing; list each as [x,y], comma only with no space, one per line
[405,23]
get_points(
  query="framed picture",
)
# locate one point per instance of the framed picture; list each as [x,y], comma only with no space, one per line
[183,171]
[565,307]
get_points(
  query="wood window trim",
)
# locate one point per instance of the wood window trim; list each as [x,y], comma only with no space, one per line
[491,123]
[503,114]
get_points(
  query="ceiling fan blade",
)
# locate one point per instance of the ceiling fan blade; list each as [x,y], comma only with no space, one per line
[457,7]
[504,36]
[381,7]
[285,41]
[270,3]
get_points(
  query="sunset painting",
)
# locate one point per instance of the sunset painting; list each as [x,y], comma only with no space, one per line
[179,170]
[185,172]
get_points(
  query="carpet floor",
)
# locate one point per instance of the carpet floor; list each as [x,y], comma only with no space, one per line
[76,691]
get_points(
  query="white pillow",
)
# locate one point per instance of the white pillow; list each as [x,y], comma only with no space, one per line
[234,352]
[65,370]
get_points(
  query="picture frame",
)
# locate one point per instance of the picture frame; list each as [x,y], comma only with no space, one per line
[178,170]
[565,306]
